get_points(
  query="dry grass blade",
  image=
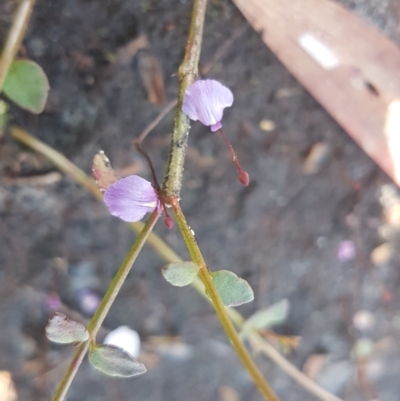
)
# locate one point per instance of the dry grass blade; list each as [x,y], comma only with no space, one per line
[151,74]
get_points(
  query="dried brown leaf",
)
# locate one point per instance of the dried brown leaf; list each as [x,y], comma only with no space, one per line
[103,173]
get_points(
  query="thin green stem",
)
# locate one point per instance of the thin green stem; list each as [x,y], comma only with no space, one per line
[116,284]
[58,160]
[188,72]
[223,316]
[69,375]
[105,305]
[170,256]
[15,37]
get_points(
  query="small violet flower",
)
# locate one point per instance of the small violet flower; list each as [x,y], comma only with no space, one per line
[205,100]
[130,198]
[346,251]
[88,301]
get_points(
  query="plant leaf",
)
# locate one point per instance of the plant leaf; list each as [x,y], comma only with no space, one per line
[27,85]
[265,318]
[114,361]
[63,330]
[233,290]
[180,274]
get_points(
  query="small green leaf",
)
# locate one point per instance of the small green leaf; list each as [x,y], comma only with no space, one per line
[26,84]
[271,316]
[180,274]
[114,361]
[63,330]
[233,290]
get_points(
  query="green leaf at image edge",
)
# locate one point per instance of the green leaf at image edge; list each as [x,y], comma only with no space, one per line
[27,85]
[233,290]
[114,361]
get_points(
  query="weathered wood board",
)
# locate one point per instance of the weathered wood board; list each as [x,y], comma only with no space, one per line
[348,66]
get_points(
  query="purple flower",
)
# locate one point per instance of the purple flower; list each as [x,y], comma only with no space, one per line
[205,100]
[88,301]
[131,198]
[53,302]
[346,251]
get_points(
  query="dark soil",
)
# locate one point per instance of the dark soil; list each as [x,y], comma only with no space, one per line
[281,233]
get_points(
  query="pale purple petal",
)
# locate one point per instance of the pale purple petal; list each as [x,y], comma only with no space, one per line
[205,100]
[346,251]
[131,198]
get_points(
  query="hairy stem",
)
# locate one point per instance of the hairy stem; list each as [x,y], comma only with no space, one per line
[15,37]
[223,316]
[188,72]
[105,305]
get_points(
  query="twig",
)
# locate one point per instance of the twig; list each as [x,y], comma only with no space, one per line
[170,256]
[15,37]
[188,72]
[40,179]
[156,121]
[58,160]
[261,345]
[220,52]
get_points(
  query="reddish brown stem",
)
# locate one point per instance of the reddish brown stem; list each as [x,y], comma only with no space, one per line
[242,174]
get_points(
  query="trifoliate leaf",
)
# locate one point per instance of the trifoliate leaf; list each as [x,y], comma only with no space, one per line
[63,330]
[271,316]
[26,84]
[114,361]
[233,290]
[180,274]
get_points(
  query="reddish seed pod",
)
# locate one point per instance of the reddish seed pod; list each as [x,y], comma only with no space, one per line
[244,178]
[169,223]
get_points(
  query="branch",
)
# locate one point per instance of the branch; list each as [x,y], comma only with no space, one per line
[188,72]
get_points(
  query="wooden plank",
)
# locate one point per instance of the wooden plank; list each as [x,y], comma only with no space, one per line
[348,66]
